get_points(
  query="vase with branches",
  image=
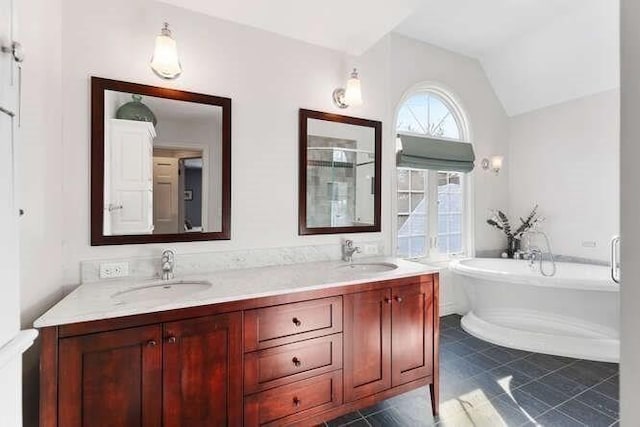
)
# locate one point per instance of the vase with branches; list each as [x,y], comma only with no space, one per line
[500,221]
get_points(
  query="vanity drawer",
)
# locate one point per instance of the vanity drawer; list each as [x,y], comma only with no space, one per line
[281,405]
[292,362]
[283,324]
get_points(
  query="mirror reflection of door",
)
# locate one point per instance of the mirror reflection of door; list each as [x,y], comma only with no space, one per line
[191,208]
[166,190]
[178,189]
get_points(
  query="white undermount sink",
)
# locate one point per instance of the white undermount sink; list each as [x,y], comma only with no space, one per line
[168,291]
[369,267]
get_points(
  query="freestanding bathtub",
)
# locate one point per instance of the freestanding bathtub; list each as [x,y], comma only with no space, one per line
[575,313]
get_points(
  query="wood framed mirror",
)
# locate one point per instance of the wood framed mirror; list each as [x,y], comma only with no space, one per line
[339,174]
[160,164]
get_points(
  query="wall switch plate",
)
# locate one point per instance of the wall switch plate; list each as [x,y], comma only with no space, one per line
[588,244]
[111,270]
[370,249]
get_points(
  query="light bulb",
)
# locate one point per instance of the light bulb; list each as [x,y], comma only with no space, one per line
[496,163]
[353,91]
[165,62]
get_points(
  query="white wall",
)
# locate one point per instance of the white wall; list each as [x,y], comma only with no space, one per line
[566,159]
[40,175]
[268,77]
[630,209]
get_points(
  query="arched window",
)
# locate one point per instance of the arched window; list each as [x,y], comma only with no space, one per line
[427,113]
[431,203]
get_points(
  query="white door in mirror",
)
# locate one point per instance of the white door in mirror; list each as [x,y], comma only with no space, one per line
[129,178]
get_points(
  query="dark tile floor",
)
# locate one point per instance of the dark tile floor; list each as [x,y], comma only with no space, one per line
[487,385]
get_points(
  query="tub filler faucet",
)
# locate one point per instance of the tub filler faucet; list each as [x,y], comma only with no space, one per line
[533,254]
[168,262]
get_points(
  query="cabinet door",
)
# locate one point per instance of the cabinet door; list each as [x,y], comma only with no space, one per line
[412,332]
[367,343]
[111,379]
[203,372]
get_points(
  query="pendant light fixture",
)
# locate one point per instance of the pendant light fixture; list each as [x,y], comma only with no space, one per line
[165,62]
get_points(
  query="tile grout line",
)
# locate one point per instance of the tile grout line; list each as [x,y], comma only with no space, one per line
[575,396]
[468,358]
[533,378]
[537,379]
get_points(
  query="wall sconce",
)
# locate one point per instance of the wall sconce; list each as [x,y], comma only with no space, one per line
[165,62]
[352,95]
[494,164]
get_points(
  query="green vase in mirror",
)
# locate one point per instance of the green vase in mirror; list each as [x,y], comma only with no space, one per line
[136,110]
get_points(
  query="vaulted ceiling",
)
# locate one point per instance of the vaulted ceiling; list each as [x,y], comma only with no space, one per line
[351,26]
[535,53]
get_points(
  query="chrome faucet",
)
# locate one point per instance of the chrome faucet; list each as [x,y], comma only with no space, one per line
[168,262]
[348,250]
[533,254]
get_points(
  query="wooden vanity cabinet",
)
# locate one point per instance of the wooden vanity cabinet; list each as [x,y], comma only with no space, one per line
[182,373]
[367,342]
[411,332]
[202,371]
[111,378]
[295,359]
[388,338]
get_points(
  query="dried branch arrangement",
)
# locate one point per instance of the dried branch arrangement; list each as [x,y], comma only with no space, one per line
[500,221]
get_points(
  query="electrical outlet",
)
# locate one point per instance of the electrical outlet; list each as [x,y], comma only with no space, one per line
[110,270]
[370,249]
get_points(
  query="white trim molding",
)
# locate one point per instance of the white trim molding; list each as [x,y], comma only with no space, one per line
[17,345]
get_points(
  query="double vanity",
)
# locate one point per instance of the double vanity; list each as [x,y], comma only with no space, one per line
[281,345]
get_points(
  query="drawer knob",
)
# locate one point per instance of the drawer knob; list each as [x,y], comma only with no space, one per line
[296,362]
[387,300]
[152,343]
[296,321]
[399,299]
[296,402]
[171,339]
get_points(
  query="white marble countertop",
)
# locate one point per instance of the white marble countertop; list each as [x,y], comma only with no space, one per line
[94,301]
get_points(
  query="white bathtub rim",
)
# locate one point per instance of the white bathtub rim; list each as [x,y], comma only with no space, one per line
[598,349]
[459,267]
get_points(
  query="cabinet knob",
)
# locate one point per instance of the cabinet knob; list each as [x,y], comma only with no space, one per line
[296,402]
[171,339]
[296,362]
[387,300]
[296,321]
[152,343]
[399,299]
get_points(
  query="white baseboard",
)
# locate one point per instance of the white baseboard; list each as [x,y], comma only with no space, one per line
[447,309]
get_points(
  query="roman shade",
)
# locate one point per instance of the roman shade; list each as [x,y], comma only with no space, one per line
[421,152]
